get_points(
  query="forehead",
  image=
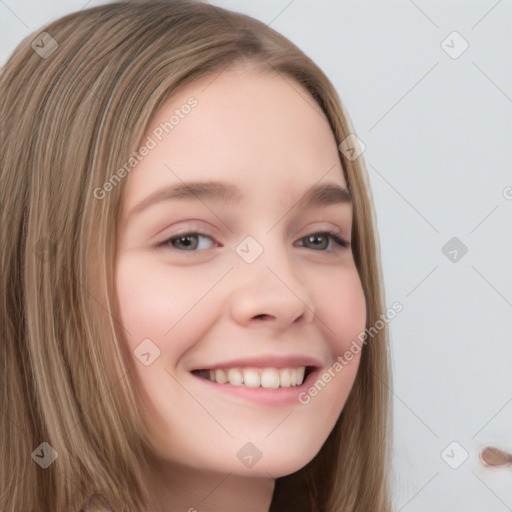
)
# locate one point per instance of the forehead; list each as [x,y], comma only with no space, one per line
[252,127]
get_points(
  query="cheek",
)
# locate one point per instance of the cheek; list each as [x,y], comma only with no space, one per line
[175,308]
[341,309]
[157,302]
[163,312]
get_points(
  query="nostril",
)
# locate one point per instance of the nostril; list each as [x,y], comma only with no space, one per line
[262,316]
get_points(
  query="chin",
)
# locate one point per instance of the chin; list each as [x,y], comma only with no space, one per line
[279,463]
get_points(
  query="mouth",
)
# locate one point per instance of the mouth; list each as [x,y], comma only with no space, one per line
[253,377]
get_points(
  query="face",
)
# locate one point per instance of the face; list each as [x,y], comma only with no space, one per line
[234,263]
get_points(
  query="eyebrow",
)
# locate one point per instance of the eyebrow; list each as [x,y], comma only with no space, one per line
[318,195]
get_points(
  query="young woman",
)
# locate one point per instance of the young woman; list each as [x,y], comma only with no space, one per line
[190,274]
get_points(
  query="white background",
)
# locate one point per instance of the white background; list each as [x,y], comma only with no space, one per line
[438,136]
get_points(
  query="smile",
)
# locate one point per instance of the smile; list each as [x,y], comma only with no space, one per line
[270,378]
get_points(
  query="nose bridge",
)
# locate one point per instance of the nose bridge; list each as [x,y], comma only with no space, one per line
[267,285]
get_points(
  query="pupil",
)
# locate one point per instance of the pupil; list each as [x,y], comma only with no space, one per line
[316,240]
[185,241]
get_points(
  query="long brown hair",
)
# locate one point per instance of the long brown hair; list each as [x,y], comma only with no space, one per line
[76,100]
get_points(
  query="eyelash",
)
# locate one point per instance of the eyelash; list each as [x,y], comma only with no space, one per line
[341,242]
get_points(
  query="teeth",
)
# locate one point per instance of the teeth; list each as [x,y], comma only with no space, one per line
[270,378]
[300,375]
[285,380]
[220,376]
[235,377]
[251,378]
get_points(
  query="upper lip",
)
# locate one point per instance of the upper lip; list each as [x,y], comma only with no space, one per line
[267,361]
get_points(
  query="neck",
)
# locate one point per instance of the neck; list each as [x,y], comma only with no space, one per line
[185,489]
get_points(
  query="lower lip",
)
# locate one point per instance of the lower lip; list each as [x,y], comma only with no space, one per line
[266,396]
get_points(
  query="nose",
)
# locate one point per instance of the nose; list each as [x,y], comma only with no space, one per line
[269,292]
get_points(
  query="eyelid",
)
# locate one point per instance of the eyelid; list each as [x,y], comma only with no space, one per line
[190,227]
[190,232]
[334,234]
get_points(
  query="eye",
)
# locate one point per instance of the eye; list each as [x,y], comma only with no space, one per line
[189,242]
[323,241]
[193,241]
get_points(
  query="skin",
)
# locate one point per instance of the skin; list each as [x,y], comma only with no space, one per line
[252,129]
